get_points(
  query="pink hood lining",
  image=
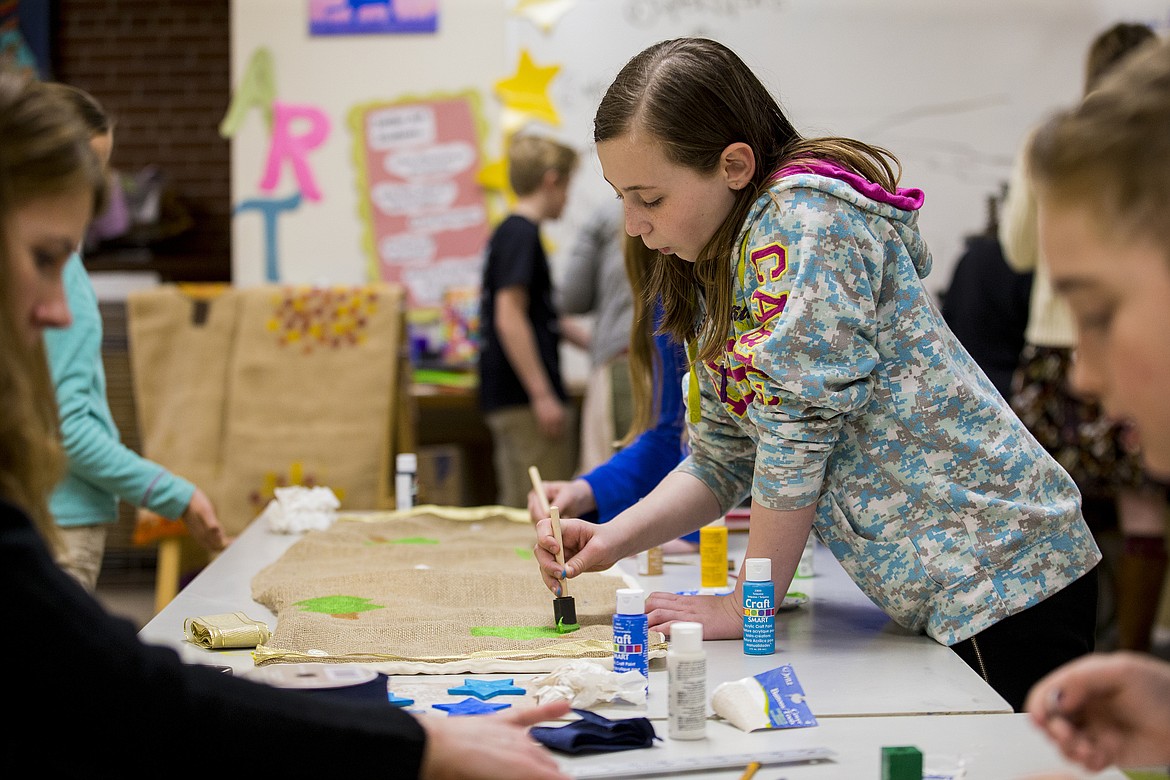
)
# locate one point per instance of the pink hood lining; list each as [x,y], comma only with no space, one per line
[908,199]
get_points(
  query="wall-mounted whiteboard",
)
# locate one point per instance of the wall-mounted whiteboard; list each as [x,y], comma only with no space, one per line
[950,86]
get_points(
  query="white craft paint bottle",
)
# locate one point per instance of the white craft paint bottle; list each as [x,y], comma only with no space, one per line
[406,480]
[686,669]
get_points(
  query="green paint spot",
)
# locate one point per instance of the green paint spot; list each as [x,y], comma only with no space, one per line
[522,633]
[565,628]
[415,540]
[524,552]
[338,605]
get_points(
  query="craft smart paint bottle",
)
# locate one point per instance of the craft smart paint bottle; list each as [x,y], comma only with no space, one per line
[630,632]
[759,608]
[686,670]
[713,556]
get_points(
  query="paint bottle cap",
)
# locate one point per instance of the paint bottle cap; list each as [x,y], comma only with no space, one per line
[406,461]
[631,601]
[686,637]
[758,569]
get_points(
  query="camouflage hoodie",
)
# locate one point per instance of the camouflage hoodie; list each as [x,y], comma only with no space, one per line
[840,384]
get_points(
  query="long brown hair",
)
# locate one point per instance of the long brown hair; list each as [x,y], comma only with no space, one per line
[44,150]
[644,361]
[695,97]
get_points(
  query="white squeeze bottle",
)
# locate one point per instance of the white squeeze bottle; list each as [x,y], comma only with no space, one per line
[405,480]
[686,670]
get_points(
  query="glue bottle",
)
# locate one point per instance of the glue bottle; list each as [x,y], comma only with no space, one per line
[713,556]
[686,670]
[631,632]
[406,480]
[759,608]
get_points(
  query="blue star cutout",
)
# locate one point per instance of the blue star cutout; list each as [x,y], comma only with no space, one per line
[486,689]
[398,701]
[470,707]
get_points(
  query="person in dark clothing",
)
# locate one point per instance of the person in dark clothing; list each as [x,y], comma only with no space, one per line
[986,305]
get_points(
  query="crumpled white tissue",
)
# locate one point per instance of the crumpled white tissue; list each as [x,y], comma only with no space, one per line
[297,509]
[742,703]
[585,683]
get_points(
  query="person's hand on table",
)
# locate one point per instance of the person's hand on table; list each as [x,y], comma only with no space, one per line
[721,616]
[573,499]
[588,547]
[1106,708]
[484,747]
[203,523]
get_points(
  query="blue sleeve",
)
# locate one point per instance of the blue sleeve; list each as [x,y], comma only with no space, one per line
[635,470]
[97,457]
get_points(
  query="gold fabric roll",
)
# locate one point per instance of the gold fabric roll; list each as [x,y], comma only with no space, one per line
[233,629]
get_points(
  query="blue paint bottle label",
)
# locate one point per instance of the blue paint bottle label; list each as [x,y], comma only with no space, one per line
[630,633]
[787,706]
[759,608]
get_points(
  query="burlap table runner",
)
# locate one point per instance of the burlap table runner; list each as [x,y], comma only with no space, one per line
[434,590]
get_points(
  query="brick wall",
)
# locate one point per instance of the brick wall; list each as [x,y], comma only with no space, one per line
[161,68]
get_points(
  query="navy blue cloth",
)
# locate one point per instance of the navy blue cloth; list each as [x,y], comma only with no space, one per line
[596,734]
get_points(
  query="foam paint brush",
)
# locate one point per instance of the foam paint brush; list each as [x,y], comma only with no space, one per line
[538,486]
[564,608]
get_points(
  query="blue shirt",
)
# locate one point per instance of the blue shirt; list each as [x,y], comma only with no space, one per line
[102,470]
[635,470]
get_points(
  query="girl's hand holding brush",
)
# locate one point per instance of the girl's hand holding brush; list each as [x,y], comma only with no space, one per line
[583,547]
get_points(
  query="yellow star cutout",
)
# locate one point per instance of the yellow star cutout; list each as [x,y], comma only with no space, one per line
[543,13]
[526,91]
[494,177]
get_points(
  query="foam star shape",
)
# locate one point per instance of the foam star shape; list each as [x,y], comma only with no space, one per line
[470,707]
[398,701]
[526,91]
[486,689]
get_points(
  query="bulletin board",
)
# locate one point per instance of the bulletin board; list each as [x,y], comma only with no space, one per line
[426,218]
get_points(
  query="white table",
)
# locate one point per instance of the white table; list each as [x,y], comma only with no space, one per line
[870,683]
[849,657]
[985,747]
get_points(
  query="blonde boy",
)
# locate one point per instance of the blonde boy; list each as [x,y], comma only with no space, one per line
[522,392]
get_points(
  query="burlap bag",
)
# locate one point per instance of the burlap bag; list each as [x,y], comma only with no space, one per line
[179,363]
[271,386]
[314,376]
[434,590]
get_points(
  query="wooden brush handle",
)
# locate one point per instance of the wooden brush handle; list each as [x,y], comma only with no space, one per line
[555,514]
[538,486]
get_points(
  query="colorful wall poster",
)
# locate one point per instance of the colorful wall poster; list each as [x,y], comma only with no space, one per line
[426,221]
[361,17]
